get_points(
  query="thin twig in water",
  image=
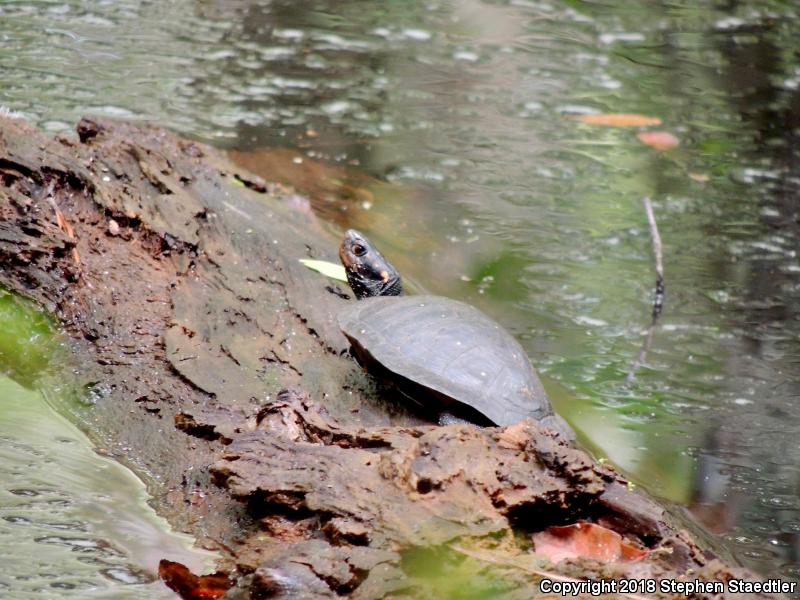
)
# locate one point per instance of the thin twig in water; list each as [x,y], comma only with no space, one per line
[658,302]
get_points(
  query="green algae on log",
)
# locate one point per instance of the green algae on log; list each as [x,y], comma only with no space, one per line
[183,294]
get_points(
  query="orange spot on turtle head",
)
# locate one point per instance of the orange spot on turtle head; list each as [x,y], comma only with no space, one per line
[385,276]
[349,260]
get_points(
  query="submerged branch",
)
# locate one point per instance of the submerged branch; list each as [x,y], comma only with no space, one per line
[648,341]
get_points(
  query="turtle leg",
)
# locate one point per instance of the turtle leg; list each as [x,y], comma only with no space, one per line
[448,418]
[559,425]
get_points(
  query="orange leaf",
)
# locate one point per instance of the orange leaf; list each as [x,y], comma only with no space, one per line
[660,140]
[190,586]
[585,540]
[619,120]
[63,224]
[698,177]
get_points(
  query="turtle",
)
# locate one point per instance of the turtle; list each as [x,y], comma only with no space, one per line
[446,355]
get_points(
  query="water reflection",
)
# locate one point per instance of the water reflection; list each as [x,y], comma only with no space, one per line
[72,521]
[447,127]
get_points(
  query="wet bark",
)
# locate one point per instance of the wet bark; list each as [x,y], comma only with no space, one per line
[218,374]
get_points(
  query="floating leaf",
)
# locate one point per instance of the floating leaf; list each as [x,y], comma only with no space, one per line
[698,177]
[660,140]
[585,540]
[619,120]
[328,269]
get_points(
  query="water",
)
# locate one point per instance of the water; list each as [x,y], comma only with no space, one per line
[452,134]
[72,523]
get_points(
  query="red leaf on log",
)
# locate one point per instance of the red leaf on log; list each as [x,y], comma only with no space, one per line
[585,540]
[189,586]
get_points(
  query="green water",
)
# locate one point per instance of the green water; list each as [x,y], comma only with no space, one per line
[487,189]
[72,523]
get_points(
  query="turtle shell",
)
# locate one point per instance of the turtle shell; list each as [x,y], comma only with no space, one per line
[451,351]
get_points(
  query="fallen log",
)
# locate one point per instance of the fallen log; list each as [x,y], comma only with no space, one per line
[217,372]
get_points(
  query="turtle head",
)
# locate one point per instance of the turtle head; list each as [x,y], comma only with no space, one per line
[368,273]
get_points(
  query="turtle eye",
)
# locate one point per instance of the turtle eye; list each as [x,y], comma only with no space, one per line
[359,250]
